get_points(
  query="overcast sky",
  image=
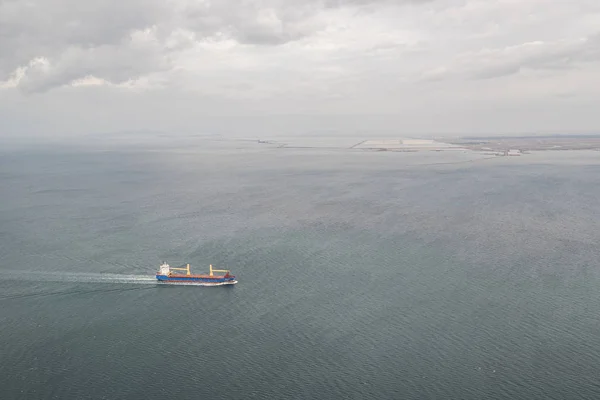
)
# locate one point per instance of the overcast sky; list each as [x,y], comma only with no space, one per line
[411,66]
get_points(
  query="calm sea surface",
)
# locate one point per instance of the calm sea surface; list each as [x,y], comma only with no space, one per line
[361,275]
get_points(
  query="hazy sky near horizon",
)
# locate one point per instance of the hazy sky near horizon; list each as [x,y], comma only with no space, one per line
[411,66]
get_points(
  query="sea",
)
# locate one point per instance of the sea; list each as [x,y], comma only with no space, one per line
[361,274]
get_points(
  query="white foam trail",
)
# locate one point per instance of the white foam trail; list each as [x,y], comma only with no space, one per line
[78,277]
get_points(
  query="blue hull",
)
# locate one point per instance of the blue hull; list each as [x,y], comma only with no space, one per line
[192,279]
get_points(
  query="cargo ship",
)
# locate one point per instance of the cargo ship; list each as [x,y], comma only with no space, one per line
[164,275]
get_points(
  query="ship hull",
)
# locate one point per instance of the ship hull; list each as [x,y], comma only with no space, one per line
[195,281]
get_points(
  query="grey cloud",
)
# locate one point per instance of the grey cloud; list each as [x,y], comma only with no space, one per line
[539,56]
[31,29]
[116,64]
[501,62]
[252,23]
[268,22]
[313,57]
[284,56]
[343,3]
[79,38]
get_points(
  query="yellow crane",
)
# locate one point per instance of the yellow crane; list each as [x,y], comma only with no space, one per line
[187,269]
[217,270]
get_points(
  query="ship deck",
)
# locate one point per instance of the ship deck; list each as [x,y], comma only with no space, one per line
[203,276]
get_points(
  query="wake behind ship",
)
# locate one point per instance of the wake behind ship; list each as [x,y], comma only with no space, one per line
[165,275]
